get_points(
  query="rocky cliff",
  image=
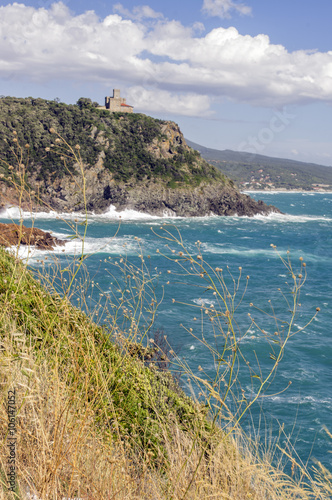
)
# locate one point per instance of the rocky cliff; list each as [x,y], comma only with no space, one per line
[206,199]
[69,157]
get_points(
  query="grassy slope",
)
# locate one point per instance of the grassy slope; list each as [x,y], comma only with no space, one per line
[93,420]
[121,388]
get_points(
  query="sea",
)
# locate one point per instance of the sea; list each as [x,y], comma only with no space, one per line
[183,269]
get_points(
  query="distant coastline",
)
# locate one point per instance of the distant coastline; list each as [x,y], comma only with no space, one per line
[255,173]
[281,191]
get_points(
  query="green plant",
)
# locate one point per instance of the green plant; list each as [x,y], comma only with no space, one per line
[95,419]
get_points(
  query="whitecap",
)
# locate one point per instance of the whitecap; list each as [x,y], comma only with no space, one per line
[110,214]
[30,253]
[111,245]
[127,214]
[284,191]
[301,400]
[11,213]
[221,250]
[203,302]
[275,217]
[17,213]
[75,247]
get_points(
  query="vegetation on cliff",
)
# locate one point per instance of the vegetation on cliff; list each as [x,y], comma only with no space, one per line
[123,141]
[127,160]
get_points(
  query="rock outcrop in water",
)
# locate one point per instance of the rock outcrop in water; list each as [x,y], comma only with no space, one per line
[206,199]
[75,157]
[13,234]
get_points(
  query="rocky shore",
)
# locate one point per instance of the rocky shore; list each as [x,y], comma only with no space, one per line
[151,198]
[13,234]
[207,199]
[95,159]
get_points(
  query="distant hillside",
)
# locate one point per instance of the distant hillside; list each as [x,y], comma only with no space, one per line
[130,161]
[251,171]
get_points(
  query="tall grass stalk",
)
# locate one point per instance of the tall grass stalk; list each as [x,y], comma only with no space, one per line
[97,418]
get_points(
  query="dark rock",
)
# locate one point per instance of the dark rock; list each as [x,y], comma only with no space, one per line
[13,234]
[208,199]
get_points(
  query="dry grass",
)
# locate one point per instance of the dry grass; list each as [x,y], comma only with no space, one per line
[63,452]
[95,423]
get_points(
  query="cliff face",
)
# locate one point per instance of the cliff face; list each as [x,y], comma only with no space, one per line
[129,161]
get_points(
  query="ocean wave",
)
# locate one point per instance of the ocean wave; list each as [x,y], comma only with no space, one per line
[291,218]
[220,249]
[14,213]
[111,245]
[110,214]
[283,191]
[210,248]
[25,252]
[75,247]
[301,400]
[204,302]
[17,213]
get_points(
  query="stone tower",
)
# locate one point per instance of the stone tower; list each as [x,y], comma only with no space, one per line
[117,103]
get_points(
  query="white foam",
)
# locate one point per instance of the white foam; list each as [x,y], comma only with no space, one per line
[112,213]
[301,400]
[110,245]
[75,247]
[11,213]
[31,253]
[285,191]
[17,213]
[275,217]
[221,250]
[204,302]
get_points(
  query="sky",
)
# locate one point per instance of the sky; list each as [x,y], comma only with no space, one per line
[251,75]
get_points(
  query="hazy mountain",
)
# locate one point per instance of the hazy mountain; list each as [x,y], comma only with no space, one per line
[254,171]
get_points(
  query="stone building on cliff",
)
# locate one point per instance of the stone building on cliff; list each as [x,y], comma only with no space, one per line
[116,103]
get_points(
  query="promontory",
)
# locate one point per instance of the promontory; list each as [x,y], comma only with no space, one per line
[63,157]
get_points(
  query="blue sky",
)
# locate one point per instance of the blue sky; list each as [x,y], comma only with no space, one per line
[249,75]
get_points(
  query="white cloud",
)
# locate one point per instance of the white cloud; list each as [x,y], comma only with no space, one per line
[138,13]
[224,8]
[189,104]
[193,69]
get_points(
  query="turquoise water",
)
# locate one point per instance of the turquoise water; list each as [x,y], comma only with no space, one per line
[305,231]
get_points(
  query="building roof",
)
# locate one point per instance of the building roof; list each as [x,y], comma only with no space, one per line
[126,105]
